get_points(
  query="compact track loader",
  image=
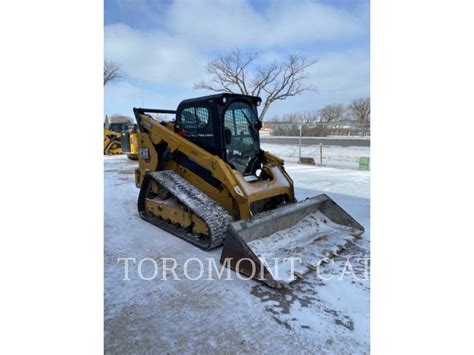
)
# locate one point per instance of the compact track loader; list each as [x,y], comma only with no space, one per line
[204,178]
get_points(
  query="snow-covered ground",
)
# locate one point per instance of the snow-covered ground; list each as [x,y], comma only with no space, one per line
[333,155]
[230,316]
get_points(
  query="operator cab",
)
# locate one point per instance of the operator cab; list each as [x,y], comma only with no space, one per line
[226,125]
[116,127]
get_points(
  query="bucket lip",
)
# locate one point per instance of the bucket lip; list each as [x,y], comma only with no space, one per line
[265,217]
[278,212]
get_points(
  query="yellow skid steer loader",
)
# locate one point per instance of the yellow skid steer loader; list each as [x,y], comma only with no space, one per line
[204,178]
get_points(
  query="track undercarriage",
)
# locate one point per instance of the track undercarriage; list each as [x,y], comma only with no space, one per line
[170,202]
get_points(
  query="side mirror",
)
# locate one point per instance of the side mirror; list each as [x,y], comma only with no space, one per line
[227,135]
[258,124]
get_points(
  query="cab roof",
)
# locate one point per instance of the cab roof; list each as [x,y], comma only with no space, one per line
[219,96]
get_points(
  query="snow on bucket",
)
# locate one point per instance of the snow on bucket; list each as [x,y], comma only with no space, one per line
[280,246]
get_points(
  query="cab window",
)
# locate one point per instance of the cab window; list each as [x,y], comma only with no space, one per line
[196,122]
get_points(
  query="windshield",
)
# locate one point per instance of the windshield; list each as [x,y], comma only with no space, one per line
[240,120]
[117,127]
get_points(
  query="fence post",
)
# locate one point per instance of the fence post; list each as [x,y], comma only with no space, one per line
[301,135]
[321,154]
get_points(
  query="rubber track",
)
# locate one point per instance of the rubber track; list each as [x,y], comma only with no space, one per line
[214,215]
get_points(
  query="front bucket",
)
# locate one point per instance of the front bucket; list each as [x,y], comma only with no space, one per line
[281,245]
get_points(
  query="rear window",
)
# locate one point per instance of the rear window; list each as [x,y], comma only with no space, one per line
[195,121]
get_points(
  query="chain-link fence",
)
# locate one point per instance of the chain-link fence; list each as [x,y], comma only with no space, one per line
[341,145]
[317,129]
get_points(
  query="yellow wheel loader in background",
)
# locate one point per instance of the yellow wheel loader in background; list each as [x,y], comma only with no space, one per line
[204,178]
[120,137]
[112,143]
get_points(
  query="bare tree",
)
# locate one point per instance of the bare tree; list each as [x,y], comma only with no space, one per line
[238,73]
[331,113]
[112,71]
[360,109]
[119,118]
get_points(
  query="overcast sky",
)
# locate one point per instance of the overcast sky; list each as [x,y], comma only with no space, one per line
[164,46]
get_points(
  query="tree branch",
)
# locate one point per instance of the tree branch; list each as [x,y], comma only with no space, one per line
[112,72]
[238,73]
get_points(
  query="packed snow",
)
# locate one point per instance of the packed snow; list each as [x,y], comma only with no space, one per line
[326,312]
